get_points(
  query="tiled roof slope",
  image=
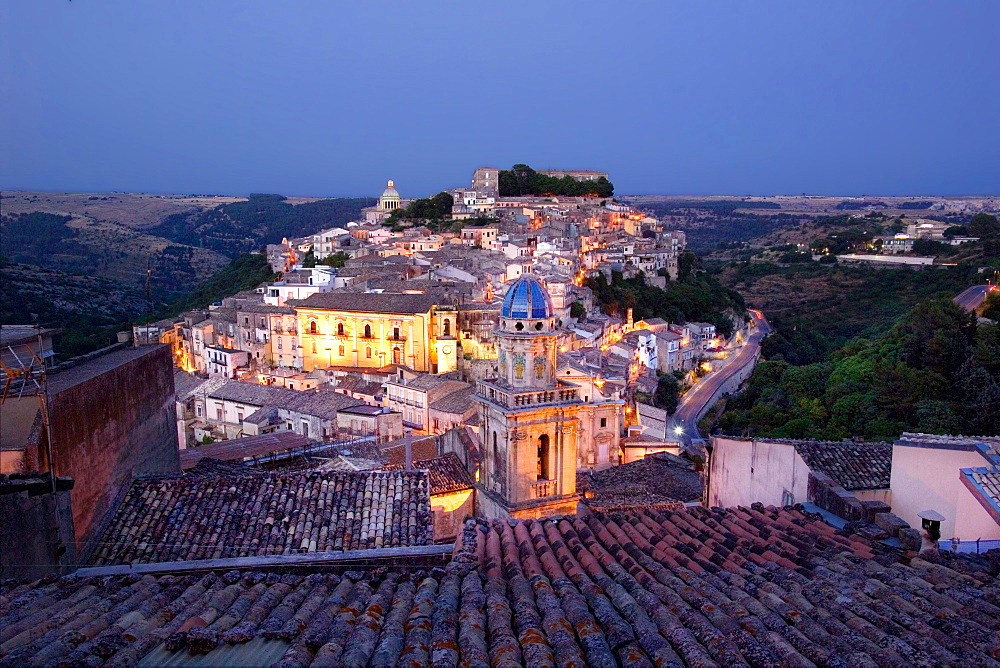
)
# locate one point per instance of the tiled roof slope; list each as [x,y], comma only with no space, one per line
[698,587]
[853,465]
[447,474]
[179,519]
[655,479]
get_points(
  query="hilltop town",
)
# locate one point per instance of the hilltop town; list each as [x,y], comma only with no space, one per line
[458,430]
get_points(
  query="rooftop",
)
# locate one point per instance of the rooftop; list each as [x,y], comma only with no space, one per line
[368,302]
[238,449]
[697,587]
[185,518]
[654,479]
[853,465]
[447,474]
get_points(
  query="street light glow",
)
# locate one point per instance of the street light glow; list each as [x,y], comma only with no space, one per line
[678,430]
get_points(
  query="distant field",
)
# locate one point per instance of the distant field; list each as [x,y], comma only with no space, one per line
[135,210]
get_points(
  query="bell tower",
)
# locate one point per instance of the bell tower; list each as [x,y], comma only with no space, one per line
[528,418]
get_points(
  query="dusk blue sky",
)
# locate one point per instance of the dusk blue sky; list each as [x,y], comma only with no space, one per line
[331,99]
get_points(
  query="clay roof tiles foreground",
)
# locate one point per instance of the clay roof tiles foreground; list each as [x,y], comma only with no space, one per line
[447,474]
[853,465]
[186,518]
[696,587]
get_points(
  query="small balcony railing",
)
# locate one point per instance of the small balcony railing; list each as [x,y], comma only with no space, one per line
[543,488]
[519,399]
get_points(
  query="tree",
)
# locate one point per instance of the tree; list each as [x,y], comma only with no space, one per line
[991,307]
[667,391]
[686,265]
[984,226]
[335,260]
[577,310]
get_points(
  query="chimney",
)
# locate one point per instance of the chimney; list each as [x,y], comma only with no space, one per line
[408,440]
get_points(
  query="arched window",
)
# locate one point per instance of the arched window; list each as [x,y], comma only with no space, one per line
[543,457]
[340,351]
[340,329]
[368,331]
[497,464]
[313,328]
[314,347]
[396,358]
[447,327]
[368,352]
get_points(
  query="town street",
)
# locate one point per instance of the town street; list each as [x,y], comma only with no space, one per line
[693,403]
[972,298]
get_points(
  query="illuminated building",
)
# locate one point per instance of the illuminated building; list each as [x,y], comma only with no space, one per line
[532,419]
[375,329]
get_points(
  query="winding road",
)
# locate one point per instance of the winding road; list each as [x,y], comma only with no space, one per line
[972,298]
[694,403]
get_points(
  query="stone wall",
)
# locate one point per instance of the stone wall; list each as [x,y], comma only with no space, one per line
[36,527]
[112,420]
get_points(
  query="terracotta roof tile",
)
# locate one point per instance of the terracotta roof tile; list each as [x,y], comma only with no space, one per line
[748,586]
[179,519]
[446,473]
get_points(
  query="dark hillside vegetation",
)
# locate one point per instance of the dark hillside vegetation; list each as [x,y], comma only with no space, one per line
[244,273]
[695,296]
[815,308]
[242,227]
[711,224]
[934,371]
[88,310]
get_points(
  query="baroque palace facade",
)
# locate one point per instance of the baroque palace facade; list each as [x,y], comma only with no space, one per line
[371,330]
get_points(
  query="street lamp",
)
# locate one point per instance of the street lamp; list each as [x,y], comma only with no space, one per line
[678,430]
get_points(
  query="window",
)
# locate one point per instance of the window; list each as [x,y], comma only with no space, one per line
[239,416]
[368,331]
[447,327]
[543,457]
[279,343]
[368,352]
[218,414]
[395,333]
[197,411]
[396,357]
[305,428]
[314,347]
[604,422]
[340,329]
[340,351]
[787,498]
[313,328]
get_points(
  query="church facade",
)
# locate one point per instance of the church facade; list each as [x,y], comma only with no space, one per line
[531,420]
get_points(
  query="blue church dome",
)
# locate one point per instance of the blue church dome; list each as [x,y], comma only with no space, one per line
[527,298]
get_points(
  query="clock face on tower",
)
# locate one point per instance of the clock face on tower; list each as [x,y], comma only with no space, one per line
[446,350]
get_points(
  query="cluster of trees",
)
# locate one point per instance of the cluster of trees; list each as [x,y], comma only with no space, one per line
[523,180]
[694,296]
[935,371]
[846,301]
[86,309]
[244,273]
[434,208]
[242,227]
[32,237]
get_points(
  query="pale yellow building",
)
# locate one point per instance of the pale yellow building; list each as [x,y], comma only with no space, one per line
[375,329]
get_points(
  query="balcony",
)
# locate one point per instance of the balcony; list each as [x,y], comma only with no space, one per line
[544,488]
[400,339]
[511,399]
